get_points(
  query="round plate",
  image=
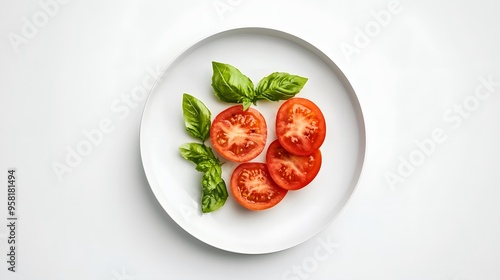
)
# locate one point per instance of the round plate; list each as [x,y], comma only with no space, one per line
[256,52]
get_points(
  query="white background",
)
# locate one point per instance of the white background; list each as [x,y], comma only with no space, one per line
[62,77]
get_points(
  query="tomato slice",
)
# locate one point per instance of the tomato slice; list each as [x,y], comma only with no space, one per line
[300,126]
[239,135]
[253,187]
[289,171]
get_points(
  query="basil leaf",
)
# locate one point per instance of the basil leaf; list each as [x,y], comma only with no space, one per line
[199,154]
[279,86]
[214,191]
[196,117]
[231,86]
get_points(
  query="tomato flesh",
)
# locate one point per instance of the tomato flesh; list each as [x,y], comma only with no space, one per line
[300,126]
[253,187]
[239,135]
[289,171]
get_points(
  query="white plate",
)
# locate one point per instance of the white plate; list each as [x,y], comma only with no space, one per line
[302,214]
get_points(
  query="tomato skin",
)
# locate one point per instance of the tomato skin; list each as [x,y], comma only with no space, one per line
[253,187]
[239,135]
[300,126]
[289,171]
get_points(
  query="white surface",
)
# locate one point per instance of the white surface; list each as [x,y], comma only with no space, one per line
[257,52]
[102,220]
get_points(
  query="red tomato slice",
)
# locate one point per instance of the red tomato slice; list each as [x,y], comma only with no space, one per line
[239,135]
[253,187]
[289,171]
[300,126]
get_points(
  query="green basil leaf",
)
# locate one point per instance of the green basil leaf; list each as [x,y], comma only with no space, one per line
[197,117]
[231,86]
[214,191]
[279,86]
[199,154]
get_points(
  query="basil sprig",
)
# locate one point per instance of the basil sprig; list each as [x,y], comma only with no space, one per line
[231,86]
[197,123]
